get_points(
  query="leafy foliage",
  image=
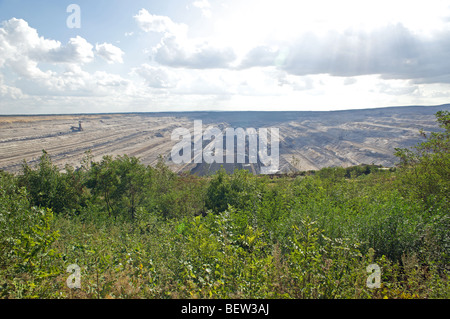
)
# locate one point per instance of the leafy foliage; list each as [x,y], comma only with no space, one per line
[426,167]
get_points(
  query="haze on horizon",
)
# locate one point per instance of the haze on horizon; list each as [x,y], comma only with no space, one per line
[217,55]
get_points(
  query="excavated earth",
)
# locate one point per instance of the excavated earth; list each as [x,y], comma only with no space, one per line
[308,140]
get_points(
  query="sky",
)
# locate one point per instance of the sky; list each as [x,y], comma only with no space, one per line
[108,56]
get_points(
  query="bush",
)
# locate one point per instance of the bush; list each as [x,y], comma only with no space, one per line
[28,260]
[49,188]
[425,169]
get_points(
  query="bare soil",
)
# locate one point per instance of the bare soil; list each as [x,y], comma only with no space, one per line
[308,140]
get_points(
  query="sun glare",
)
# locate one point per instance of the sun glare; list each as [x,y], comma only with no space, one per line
[254,21]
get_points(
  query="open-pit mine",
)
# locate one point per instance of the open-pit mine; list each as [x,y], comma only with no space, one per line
[307,140]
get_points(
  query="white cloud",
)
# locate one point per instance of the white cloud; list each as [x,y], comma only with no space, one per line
[23,52]
[17,39]
[161,24]
[109,52]
[204,6]
[391,51]
[176,49]
[74,81]
[77,50]
[350,81]
[260,56]
[396,87]
[200,54]
[297,83]
[156,77]
[104,79]
[9,92]
[22,49]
